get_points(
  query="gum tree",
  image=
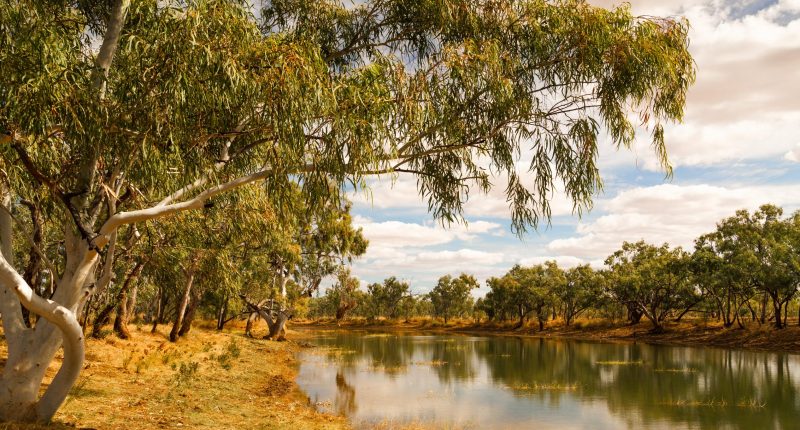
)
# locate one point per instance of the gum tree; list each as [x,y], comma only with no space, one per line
[582,290]
[451,297]
[653,281]
[764,246]
[179,102]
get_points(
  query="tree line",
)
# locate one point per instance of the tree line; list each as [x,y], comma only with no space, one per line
[747,271]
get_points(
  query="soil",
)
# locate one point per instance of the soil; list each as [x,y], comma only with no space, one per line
[687,333]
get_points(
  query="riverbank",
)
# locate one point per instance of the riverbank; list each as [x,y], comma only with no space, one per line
[209,380]
[689,333]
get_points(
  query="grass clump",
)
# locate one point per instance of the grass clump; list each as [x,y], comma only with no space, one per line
[186,372]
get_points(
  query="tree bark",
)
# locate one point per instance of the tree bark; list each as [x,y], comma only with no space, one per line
[186,325]
[222,313]
[776,304]
[132,302]
[101,319]
[121,320]
[159,310]
[181,309]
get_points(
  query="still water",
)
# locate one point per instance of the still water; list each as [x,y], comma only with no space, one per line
[452,381]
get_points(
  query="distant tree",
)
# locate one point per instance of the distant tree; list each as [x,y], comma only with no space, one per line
[343,293]
[385,298]
[765,248]
[498,302]
[537,286]
[582,290]
[723,272]
[451,296]
[652,280]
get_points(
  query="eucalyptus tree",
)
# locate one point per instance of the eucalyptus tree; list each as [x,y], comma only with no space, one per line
[328,241]
[498,302]
[451,297]
[385,298]
[582,290]
[535,289]
[343,294]
[653,280]
[180,102]
[765,247]
[723,272]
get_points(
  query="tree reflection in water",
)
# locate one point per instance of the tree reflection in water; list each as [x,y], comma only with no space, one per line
[502,382]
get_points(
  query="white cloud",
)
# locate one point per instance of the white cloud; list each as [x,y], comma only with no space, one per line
[744,105]
[564,261]
[397,234]
[666,213]
[404,249]
[793,154]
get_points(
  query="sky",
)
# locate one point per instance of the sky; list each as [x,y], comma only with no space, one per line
[737,148]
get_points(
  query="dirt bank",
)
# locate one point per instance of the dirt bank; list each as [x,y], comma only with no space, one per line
[690,333]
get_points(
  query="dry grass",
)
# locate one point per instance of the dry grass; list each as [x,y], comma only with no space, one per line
[210,380]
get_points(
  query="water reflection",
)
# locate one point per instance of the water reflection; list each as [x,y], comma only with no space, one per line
[507,382]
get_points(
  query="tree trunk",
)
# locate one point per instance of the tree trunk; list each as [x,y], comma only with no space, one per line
[277,328]
[121,320]
[181,309]
[634,315]
[101,319]
[30,351]
[222,313]
[194,303]
[251,320]
[276,324]
[159,310]
[186,325]
[776,304]
[33,272]
[521,313]
[132,302]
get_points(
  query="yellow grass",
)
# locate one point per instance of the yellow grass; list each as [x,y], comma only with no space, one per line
[210,380]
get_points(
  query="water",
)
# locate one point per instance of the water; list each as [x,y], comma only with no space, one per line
[500,382]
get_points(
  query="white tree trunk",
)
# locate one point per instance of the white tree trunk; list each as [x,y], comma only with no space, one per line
[32,350]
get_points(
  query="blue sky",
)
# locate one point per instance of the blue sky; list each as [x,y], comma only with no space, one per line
[738,147]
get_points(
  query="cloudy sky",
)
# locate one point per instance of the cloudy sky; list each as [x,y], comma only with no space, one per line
[738,147]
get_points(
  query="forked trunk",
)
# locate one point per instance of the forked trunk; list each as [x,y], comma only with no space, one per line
[777,309]
[32,350]
[277,327]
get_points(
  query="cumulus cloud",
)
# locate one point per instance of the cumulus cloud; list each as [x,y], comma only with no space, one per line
[410,250]
[793,154]
[744,104]
[398,234]
[565,261]
[666,213]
